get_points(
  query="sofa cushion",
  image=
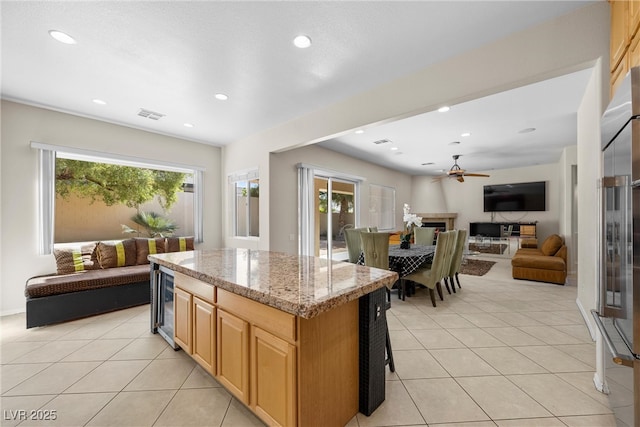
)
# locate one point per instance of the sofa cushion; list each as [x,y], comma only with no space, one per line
[539,261]
[551,245]
[527,251]
[179,244]
[84,280]
[117,253]
[78,258]
[144,247]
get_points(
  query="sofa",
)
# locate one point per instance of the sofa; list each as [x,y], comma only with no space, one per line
[95,278]
[547,263]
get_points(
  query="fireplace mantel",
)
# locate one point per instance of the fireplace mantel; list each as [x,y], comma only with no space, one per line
[448,218]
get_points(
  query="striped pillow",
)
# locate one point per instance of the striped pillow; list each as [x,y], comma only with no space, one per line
[145,247]
[117,253]
[179,244]
[74,259]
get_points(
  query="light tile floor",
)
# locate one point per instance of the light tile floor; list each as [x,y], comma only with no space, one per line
[500,352]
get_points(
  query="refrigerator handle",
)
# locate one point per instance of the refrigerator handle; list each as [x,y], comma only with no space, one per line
[618,359]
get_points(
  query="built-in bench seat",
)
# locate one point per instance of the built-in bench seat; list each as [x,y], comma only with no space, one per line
[60,298]
[96,278]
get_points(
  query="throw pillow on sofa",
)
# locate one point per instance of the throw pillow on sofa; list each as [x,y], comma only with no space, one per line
[179,244]
[117,254]
[145,247]
[73,259]
[551,245]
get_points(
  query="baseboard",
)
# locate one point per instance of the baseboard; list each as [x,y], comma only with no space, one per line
[11,312]
[600,385]
[586,317]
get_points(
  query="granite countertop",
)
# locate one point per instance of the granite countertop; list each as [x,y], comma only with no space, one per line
[301,285]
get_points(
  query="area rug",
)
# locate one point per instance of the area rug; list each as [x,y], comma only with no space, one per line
[476,267]
[488,249]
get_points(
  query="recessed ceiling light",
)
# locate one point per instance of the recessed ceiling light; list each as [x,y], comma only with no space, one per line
[62,37]
[465,134]
[188,125]
[527,130]
[393,148]
[99,102]
[443,109]
[359,131]
[221,96]
[302,41]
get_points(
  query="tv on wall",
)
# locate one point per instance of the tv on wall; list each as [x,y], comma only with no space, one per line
[523,196]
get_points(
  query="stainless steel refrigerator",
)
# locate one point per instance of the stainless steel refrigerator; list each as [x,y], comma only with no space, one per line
[618,313]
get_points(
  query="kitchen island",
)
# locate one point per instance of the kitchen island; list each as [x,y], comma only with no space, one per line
[299,340]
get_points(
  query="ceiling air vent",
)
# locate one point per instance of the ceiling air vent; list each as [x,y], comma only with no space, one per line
[382,141]
[150,114]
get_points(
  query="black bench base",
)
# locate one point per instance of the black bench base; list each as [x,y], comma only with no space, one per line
[52,309]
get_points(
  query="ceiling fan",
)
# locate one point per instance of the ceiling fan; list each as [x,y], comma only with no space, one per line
[459,173]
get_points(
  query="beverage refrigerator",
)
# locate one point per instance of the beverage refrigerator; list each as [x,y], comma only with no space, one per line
[162,303]
[618,309]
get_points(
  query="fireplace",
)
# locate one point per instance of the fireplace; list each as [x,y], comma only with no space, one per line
[442,221]
[438,225]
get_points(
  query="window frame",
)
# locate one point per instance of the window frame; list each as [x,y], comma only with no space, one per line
[248,176]
[47,155]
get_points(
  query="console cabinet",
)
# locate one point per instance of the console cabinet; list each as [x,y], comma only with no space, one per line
[496,229]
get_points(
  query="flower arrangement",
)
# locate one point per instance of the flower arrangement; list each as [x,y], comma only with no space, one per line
[410,220]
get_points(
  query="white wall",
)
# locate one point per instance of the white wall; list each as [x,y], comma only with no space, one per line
[427,196]
[589,172]
[284,189]
[22,124]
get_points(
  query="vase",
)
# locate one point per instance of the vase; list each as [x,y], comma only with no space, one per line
[405,245]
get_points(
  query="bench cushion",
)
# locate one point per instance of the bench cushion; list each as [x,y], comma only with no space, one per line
[77,258]
[90,279]
[117,254]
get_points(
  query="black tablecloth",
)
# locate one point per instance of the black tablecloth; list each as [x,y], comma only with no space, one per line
[406,261]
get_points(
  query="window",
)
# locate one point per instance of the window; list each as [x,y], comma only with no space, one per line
[245,190]
[73,218]
[382,207]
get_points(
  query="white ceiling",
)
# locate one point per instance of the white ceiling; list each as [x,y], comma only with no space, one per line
[172,57]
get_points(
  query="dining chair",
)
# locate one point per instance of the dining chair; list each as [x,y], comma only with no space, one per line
[449,261]
[456,261]
[431,277]
[424,235]
[354,245]
[375,247]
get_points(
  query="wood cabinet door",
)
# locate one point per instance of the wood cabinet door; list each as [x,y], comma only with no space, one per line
[634,52]
[634,17]
[182,322]
[618,74]
[619,39]
[273,378]
[204,330]
[233,354]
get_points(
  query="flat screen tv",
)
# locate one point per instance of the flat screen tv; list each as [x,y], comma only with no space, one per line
[522,196]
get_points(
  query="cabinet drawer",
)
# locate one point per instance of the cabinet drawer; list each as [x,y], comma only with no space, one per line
[268,318]
[195,287]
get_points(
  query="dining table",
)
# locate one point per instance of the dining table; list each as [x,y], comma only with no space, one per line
[406,261]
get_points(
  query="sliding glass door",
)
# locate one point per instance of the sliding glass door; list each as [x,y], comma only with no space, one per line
[334,211]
